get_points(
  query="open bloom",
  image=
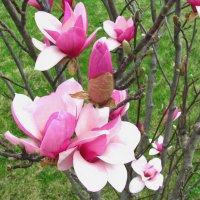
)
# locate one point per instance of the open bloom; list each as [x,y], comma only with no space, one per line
[119,31]
[175,116]
[35,4]
[100,73]
[157,146]
[194,4]
[149,175]
[69,38]
[100,150]
[49,121]
[118,97]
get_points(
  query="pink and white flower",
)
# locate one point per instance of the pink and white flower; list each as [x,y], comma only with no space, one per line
[175,116]
[118,97]
[149,175]
[195,4]
[69,38]
[35,4]
[100,150]
[119,31]
[49,121]
[157,146]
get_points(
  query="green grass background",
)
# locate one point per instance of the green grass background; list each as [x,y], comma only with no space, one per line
[37,183]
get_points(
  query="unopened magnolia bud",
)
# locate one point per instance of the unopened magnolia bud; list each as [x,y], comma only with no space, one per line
[174,127]
[126,47]
[100,88]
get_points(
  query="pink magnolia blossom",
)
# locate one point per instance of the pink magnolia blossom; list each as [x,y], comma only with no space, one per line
[69,38]
[149,175]
[194,4]
[35,4]
[119,31]
[157,146]
[49,121]
[118,97]
[175,116]
[101,149]
[70,2]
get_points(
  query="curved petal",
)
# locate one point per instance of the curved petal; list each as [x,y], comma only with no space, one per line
[112,44]
[136,185]
[91,118]
[156,162]
[128,135]
[160,139]
[117,154]
[30,145]
[139,165]
[21,111]
[68,11]
[39,45]
[155,183]
[46,21]
[153,152]
[109,27]
[117,176]
[121,23]
[92,175]
[81,11]
[48,58]
[65,160]
[72,41]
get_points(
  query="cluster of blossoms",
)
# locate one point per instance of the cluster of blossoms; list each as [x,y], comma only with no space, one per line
[97,143]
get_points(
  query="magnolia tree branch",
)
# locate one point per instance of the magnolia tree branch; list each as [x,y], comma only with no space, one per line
[188,155]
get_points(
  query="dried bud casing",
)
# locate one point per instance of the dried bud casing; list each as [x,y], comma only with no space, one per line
[100,88]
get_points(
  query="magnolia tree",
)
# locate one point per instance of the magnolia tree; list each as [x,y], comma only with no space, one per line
[105,132]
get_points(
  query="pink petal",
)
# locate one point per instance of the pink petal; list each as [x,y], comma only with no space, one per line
[54,34]
[112,44]
[109,27]
[92,175]
[57,134]
[130,22]
[90,39]
[30,145]
[117,176]
[139,165]
[160,139]
[153,152]
[39,45]
[46,21]
[100,60]
[128,134]
[117,154]
[121,23]
[72,41]
[156,162]
[48,58]
[34,3]
[65,160]
[155,183]
[81,11]
[68,11]
[136,185]
[21,111]
[91,118]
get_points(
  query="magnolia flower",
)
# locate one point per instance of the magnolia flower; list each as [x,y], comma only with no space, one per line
[100,73]
[149,175]
[118,97]
[175,116]
[100,150]
[68,38]
[40,45]
[195,4]
[70,2]
[49,121]
[35,4]
[157,146]
[119,31]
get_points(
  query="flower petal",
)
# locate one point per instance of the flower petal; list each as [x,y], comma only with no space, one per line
[156,162]
[155,183]
[198,9]
[68,11]
[92,175]
[139,165]
[39,45]
[21,112]
[117,176]
[108,27]
[136,185]
[153,152]
[30,145]
[112,44]
[48,58]
[117,154]
[46,21]
[160,139]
